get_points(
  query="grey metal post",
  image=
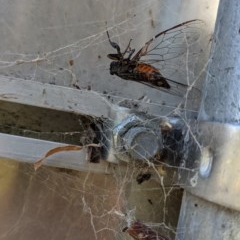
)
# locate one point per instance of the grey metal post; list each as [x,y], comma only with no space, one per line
[221,101]
[205,211]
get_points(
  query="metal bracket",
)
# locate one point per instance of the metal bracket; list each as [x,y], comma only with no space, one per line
[214,164]
[137,138]
[135,135]
[28,150]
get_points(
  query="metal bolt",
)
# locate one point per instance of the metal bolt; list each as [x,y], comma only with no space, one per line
[206,162]
[141,143]
[134,139]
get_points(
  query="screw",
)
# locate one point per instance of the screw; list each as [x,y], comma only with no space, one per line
[206,162]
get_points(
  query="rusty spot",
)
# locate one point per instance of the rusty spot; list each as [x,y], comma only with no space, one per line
[71,62]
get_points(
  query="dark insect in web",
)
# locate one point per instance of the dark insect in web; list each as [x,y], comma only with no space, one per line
[142,177]
[139,231]
[145,66]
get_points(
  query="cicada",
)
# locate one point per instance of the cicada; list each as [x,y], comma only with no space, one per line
[140,231]
[143,67]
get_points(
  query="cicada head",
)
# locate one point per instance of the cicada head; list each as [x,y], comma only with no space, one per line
[114,67]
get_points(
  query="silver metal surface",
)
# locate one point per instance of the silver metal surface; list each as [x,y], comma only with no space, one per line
[137,138]
[221,103]
[118,133]
[206,161]
[29,150]
[212,212]
[222,184]
[203,220]
[221,99]
[54,97]
[67,99]
[141,143]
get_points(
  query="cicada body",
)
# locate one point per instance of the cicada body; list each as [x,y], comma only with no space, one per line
[140,72]
[140,231]
[143,66]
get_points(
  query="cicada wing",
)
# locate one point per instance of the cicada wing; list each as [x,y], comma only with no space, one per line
[171,43]
[182,90]
[172,87]
[177,89]
[175,51]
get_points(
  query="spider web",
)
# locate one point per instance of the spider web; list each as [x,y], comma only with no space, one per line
[68,47]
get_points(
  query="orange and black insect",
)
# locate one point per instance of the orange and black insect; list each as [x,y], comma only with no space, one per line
[141,68]
[140,231]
